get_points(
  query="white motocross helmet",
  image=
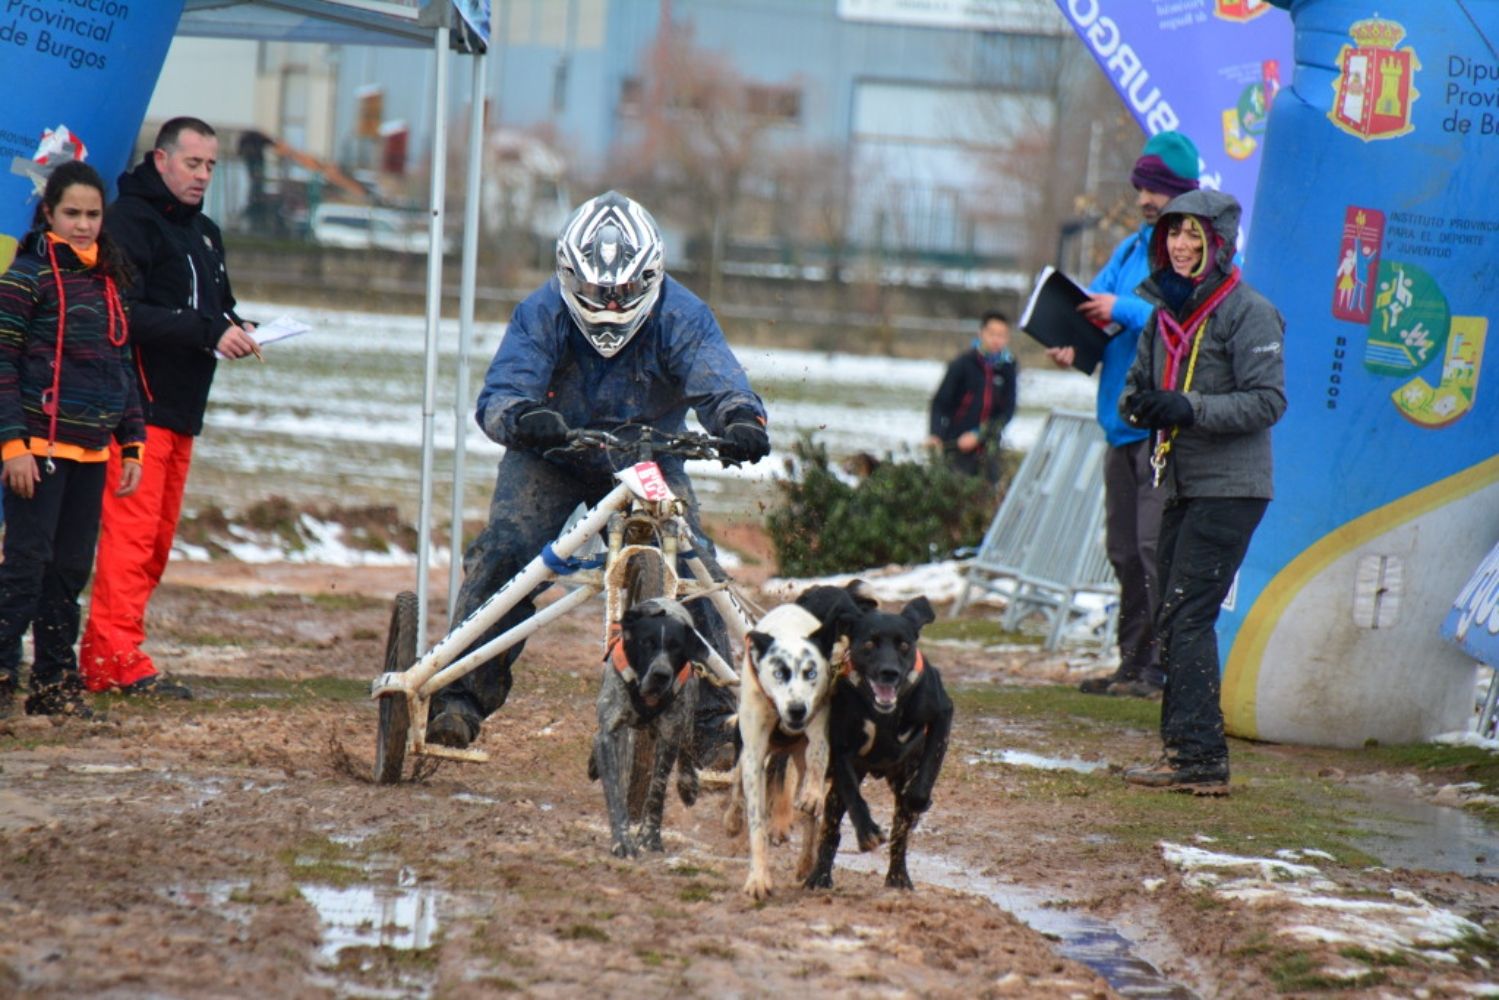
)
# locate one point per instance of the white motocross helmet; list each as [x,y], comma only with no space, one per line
[610,266]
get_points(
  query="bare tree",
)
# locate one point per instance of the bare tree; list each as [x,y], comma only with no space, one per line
[699,139]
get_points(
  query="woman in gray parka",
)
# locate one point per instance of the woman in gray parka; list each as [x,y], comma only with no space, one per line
[1209,381]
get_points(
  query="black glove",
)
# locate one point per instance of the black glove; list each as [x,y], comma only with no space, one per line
[1161,409]
[744,438]
[540,428]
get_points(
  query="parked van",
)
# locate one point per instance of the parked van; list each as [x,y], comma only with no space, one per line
[365,227]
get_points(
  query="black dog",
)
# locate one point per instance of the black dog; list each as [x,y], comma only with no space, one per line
[648,687]
[890,718]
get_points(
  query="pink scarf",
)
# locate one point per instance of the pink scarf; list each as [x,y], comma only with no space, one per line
[1178,337]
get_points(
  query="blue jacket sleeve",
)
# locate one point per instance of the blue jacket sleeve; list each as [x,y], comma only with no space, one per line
[1127,267]
[520,373]
[713,381]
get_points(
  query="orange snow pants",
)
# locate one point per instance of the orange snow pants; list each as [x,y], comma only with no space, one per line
[135,540]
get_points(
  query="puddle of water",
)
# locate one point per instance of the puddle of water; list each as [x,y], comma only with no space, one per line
[398,917]
[1085,939]
[1024,758]
[1409,833]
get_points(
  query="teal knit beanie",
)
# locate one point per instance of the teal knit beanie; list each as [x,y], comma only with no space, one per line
[1167,164]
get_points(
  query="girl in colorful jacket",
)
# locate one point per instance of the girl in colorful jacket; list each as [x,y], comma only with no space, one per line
[67,385]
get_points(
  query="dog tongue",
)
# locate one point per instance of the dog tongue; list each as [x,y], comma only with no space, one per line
[884,694]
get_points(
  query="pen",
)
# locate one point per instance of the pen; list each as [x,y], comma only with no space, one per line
[254,345]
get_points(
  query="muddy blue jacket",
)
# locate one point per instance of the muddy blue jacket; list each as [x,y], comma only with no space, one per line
[678,359]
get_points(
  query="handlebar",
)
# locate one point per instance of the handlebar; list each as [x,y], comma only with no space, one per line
[642,443]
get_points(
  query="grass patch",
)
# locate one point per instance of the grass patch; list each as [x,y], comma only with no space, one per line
[1296,971]
[361,959]
[1276,802]
[320,860]
[584,932]
[981,630]
[692,871]
[335,601]
[697,892]
[1051,704]
[1453,764]
[1377,959]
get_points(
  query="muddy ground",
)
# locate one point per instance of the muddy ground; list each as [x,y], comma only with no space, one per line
[234,846]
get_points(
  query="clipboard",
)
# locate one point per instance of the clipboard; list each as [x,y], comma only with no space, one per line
[1051,317]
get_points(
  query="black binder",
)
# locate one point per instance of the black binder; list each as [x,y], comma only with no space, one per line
[1051,317]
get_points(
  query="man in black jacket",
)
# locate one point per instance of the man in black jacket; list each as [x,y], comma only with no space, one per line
[181,312]
[976,400]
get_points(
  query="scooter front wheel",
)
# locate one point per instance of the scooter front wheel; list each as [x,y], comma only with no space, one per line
[395,710]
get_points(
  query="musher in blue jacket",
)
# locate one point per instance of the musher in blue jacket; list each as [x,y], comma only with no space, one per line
[607,341]
[1167,167]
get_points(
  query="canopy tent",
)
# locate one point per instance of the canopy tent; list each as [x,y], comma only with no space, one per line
[331,22]
[408,23]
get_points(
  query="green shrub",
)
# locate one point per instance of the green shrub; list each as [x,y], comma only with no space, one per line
[901,512]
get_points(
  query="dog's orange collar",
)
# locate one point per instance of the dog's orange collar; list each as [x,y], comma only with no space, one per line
[614,652]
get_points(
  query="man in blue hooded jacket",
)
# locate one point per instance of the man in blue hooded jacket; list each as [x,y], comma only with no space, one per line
[609,340]
[1167,167]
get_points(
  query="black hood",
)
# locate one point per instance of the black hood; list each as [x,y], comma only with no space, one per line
[145,182]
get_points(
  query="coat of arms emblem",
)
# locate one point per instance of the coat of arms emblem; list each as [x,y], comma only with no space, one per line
[1376,82]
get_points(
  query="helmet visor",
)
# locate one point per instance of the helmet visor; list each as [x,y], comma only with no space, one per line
[619,297]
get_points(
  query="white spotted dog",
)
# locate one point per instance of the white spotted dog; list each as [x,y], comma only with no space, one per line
[784,691]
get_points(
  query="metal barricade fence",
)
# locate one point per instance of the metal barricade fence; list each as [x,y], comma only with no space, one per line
[1047,538]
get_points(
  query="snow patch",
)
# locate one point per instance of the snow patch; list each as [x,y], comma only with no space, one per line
[1318,909]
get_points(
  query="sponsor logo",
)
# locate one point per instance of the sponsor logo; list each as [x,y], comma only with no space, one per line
[1244,123]
[1376,82]
[1435,406]
[652,482]
[1358,263]
[1240,11]
[1408,324]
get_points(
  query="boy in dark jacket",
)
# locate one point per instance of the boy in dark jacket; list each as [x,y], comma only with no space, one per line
[976,400]
[182,311]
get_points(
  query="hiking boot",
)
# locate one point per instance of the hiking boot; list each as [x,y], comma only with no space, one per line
[1210,778]
[59,699]
[1100,685]
[451,728]
[160,687]
[1136,688]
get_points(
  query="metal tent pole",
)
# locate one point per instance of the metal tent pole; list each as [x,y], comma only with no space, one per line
[434,316]
[466,296]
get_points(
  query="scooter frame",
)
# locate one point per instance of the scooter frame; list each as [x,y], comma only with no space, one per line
[640,515]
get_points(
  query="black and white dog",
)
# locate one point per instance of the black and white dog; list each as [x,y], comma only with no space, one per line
[783,720]
[648,686]
[889,717]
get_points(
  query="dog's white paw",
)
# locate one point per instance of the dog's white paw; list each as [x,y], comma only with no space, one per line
[810,802]
[757,886]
